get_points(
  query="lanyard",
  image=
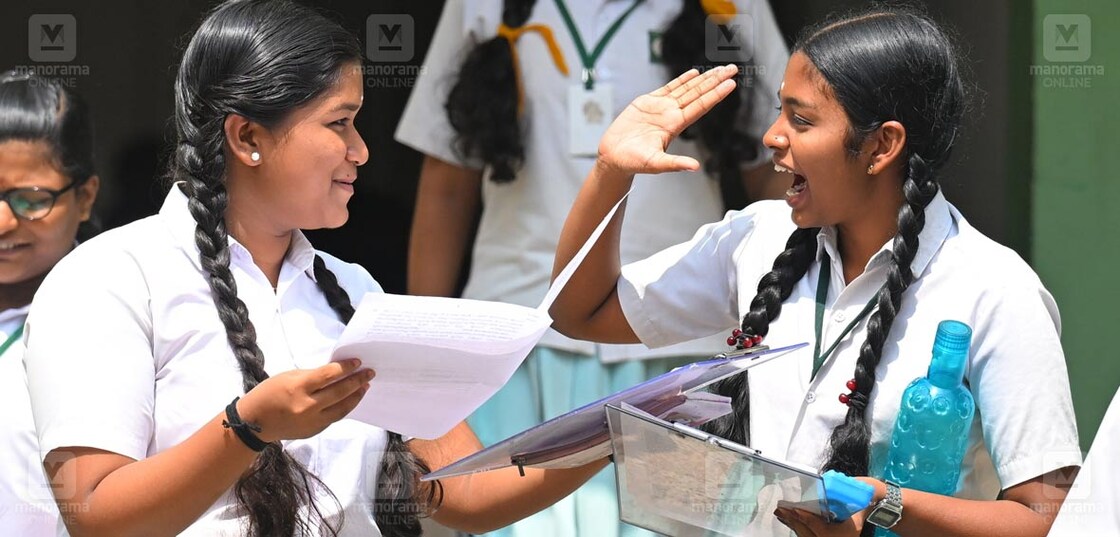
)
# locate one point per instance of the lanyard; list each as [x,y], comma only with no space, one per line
[11,339]
[589,59]
[822,295]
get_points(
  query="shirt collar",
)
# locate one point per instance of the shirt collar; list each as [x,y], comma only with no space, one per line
[939,220]
[12,314]
[177,216]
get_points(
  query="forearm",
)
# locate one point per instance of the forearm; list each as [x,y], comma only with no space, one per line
[934,515]
[491,500]
[447,203]
[159,495]
[597,276]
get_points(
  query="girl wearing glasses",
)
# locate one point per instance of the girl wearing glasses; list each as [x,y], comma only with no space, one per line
[178,366]
[47,189]
[871,105]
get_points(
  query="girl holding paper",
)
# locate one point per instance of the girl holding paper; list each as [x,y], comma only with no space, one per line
[871,106]
[47,190]
[176,364]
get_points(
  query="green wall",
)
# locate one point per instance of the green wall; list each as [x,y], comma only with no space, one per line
[1075,215]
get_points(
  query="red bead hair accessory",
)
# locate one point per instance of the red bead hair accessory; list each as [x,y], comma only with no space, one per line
[846,398]
[742,340]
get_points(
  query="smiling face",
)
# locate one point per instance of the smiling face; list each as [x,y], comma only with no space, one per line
[28,249]
[829,186]
[309,162]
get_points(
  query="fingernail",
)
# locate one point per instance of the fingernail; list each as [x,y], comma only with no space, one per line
[370,374]
[355,362]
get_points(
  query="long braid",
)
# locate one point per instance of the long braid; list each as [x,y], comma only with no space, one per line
[850,442]
[482,105]
[395,509]
[275,477]
[773,289]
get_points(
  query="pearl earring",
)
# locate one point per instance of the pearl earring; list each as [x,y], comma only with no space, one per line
[256,157]
[870,169]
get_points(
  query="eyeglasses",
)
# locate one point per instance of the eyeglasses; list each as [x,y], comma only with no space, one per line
[33,202]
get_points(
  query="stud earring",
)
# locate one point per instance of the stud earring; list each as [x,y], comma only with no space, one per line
[870,169]
[256,157]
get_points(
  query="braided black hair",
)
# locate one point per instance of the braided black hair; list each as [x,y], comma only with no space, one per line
[482,105]
[262,59]
[868,61]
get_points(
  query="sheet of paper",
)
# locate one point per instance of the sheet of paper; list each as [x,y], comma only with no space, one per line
[438,359]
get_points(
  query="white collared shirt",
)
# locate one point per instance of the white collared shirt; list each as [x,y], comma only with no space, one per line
[27,506]
[126,353]
[1024,424]
[521,221]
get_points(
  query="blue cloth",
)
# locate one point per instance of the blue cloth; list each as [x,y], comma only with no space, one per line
[549,383]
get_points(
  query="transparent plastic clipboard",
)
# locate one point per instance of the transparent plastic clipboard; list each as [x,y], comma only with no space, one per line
[683,482]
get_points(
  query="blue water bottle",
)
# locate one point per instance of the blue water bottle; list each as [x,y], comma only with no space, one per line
[931,432]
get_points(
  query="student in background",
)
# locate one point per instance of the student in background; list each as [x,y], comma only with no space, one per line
[865,257]
[508,110]
[178,366]
[47,190]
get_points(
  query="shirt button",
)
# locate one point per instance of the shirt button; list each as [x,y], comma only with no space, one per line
[839,317]
[810,397]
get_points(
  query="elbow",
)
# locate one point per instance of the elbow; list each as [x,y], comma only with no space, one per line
[563,321]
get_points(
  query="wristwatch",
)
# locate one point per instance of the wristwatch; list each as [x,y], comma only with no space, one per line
[888,511]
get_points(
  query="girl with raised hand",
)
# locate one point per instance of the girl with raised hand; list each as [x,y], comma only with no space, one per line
[178,366]
[47,190]
[871,107]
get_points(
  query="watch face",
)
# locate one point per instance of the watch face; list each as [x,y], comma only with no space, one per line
[884,518]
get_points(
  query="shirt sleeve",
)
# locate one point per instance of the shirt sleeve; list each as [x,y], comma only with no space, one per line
[90,367]
[689,290]
[424,125]
[1029,433]
[768,62]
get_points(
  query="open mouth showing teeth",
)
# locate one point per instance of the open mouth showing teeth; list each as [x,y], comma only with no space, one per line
[799,183]
[799,186]
[9,246]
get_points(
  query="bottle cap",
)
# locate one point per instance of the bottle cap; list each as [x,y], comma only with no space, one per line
[950,353]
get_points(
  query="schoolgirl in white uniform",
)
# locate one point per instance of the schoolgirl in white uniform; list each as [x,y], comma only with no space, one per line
[178,366]
[47,190]
[871,105]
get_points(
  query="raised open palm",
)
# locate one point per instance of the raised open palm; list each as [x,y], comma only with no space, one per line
[636,140]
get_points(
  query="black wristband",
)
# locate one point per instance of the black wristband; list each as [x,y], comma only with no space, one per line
[245,431]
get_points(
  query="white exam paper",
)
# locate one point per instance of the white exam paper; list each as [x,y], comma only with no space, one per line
[438,359]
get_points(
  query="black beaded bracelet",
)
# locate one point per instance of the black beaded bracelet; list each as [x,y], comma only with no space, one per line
[245,431]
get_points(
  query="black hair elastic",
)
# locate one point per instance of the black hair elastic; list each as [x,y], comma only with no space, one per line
[244,430]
